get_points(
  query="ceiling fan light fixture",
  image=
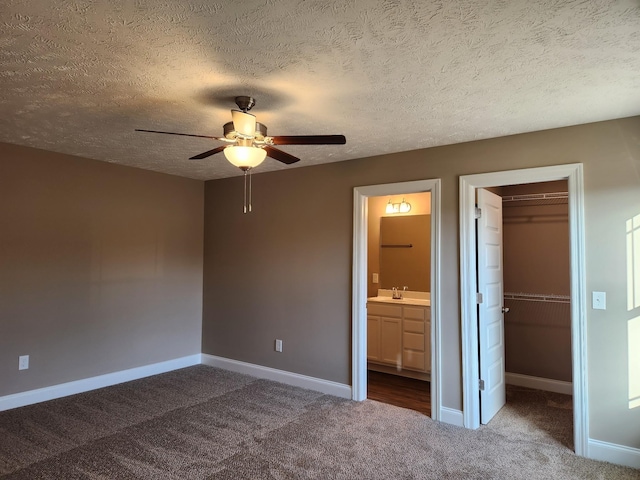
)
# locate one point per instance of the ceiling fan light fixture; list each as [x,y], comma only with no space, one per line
[245,157]
[244,123]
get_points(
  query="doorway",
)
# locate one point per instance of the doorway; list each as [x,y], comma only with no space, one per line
[470,350]
[534,361]
[359,297]
[398,331]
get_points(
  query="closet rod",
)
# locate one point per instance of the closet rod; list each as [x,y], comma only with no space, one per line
[537,297]
[408,245]
[535,196]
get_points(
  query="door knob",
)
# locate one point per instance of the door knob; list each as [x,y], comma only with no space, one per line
[505,309]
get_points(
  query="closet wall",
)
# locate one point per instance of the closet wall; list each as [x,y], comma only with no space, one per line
[537,280]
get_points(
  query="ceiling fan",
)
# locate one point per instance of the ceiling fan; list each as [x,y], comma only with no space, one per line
[248,143]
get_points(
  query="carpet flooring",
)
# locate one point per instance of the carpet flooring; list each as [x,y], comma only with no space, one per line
[206,423]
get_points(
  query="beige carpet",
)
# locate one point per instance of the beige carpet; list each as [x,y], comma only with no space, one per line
[206,423]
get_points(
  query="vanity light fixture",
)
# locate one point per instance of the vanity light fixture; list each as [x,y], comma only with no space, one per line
[402,207]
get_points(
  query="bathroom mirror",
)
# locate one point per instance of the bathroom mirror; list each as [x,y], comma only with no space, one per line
[405,252]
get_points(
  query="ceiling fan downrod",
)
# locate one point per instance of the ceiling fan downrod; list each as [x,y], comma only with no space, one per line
[245,103]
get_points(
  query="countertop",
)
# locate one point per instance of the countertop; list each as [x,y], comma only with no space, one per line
[404,301]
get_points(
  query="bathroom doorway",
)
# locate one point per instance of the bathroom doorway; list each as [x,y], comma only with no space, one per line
[398,284]
[366,199]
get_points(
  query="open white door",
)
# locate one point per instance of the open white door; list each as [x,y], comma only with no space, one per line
[490,311]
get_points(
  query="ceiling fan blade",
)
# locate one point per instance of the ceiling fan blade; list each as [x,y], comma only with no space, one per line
[174,133]
[208,153]
[281,156]
[309,140]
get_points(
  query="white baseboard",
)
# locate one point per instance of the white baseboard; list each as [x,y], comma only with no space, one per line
[282,376]
[78,386]
[538,383]
[610,452]
[451,416]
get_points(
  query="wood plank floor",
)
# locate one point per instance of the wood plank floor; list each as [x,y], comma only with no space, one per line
[399,391]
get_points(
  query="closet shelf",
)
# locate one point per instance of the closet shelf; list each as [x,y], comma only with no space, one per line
[533,199]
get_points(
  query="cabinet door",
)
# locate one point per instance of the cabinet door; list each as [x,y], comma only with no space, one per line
[373,338]
[391,341]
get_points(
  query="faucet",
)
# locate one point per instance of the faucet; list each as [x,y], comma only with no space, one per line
[398,295]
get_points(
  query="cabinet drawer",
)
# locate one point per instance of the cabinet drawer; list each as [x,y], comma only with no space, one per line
[415,313]
[413,341]
[413,360]
[413,326]
[384,310]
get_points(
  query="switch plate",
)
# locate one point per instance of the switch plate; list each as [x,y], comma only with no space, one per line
[23,362]
[278,345]
[374,278]
[599,301]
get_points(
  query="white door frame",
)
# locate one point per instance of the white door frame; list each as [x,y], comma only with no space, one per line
[468,184]
[359,297]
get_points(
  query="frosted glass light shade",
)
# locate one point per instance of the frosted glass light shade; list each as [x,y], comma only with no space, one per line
[389,208]
[405,207]
[245,157]
[244,123]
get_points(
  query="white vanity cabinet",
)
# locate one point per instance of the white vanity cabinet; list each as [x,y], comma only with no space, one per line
[399,336]
[384,334]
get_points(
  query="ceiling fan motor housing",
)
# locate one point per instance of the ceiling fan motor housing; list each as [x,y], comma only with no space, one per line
[245,103]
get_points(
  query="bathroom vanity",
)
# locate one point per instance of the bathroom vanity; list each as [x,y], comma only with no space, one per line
[399,335]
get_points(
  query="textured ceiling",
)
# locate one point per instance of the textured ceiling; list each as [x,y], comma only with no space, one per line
[79,76]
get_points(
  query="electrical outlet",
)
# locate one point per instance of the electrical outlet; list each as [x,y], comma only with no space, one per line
[278,345]
[23,362]
[374,278]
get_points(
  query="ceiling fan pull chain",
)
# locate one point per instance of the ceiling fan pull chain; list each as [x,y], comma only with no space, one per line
[245,191]
[250,190]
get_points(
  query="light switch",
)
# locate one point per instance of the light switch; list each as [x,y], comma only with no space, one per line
[375,278]
[599,301]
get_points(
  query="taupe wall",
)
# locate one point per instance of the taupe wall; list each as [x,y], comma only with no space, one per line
[100,267]
[536,261]
[284,271]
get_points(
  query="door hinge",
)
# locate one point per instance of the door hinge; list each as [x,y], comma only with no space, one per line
[481,385]
[478,212]
[478,298]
